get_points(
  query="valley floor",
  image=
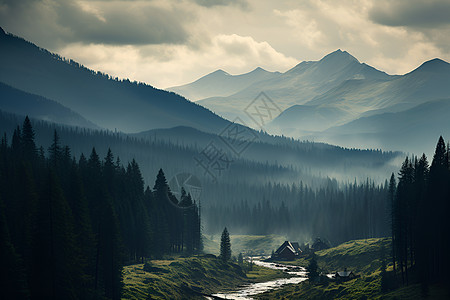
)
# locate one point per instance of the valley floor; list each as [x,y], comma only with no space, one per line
[364,258]
[195,277]
[189,278]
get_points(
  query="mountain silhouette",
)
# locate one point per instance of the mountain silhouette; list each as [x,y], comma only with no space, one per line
[221,83]
[298,85]
[21,103]
[110,103]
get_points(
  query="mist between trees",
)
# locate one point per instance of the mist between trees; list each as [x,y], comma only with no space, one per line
[267,197]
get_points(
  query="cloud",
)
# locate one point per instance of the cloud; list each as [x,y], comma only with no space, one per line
[428,19]
[171,42]
[321,26]
[212,3]
[412,13]
[100,22]
[165,66]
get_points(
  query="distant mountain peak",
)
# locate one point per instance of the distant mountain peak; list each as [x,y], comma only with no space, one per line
[436,61]
[339,55]
[434,65]
[220,72]
[259,70]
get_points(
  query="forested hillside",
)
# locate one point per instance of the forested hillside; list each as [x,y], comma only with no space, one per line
[264,160]
[272,198]
[338,212]
[69,224]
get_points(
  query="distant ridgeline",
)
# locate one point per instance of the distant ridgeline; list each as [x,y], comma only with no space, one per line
[252,196]
[68,225]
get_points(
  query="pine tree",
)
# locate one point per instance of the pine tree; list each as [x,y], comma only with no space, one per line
[16,144]
[423,215]
[225,246]
[161,208]
[29,146]
[84,236]
[312,269]
[439,195]
[55,152]
[403,215]
[392,190]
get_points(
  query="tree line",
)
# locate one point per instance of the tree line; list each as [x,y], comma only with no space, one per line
[336,212]
[420,203]
[69,225]
[261,163]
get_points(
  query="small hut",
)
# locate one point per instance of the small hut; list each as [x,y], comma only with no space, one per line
[287,251]
[344,275]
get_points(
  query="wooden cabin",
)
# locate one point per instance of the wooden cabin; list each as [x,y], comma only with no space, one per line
[344,275]
[287,251]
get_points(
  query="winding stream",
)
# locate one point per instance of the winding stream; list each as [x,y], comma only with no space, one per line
[299,275]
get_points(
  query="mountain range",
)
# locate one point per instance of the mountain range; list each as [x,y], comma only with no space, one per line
[321,100]
[48,87]
[110,103]
[221,83]
[336,100]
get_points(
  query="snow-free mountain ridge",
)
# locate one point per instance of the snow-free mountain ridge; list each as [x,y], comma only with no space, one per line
[110,103]
[221,83]
[315,96]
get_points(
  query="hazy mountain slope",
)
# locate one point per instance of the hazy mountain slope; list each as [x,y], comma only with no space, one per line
[288,161]
[220,83]
[428,81]
[356,98]
[124,105]
[21,103]
[300,120]
[298,85]
[307,157]
[413,129]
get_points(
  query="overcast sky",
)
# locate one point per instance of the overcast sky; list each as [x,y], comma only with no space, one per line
[172,42]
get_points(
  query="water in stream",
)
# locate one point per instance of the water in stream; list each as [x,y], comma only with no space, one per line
[299,275]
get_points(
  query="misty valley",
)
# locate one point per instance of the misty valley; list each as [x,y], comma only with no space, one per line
[330,180]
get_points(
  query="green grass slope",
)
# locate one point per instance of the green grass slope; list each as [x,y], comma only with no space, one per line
[359,256]
[189,278]
[364,258]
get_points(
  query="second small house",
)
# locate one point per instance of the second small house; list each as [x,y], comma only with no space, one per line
[287,251]
[344,275]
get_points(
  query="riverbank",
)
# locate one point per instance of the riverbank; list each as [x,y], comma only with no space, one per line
[365,259]
[249,291]
[191,277]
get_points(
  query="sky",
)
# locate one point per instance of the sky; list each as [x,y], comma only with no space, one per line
[172,42]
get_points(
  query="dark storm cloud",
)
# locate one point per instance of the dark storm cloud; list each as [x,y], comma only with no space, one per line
[115,23]
[124,24]
[411,13]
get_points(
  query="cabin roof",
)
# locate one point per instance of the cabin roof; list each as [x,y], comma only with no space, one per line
[344,273]
[296,246]
[292,247]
